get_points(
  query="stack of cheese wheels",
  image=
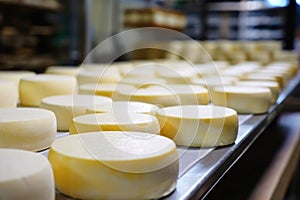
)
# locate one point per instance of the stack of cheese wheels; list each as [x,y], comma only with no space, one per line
[9,94]
[116,121]
[66,107]
[108,90]
[63,70]
[34,88]
[25,175]
[27,128]
[167,95]
[199,125]
[124,106]
[114,165]
[272,85]
[255,100]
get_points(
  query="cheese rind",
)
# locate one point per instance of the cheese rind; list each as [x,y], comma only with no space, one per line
[25,176]
[33,89]
[8,94]
[114,165]
[199,125]
[66,107]
[31,129]
[254,100]
[118,121]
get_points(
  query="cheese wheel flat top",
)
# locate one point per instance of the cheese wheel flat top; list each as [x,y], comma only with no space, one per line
[242,90]
[75,100]
[114,146]
[124,106]
[20,163]
[197,111]
[23,114]
[121,118]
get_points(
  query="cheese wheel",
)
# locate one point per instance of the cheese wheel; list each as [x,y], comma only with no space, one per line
[178,76]
[15,76]
[108,90]
[123,106]
[85,77]
[266,77]
[66,107]
[62,70]
[27,128]
[114,165]
[254,100]
[9,94]
[33,89]
[142,81]
[119,121]
[211,82]
[199,125]
[272,85]
[25,175]
[167,95]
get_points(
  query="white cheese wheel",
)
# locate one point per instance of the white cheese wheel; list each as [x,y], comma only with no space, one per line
[33,89]
[8,94]
[272,85]
[63,70]
[103,89]
[119,121]
[27,128]
[25,175]
[254,100]
[199,126]
[114,165]
[66,107]
[265,77]
[142,81]
[123,106]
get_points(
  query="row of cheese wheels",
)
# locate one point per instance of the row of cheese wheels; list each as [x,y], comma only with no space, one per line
[119,165]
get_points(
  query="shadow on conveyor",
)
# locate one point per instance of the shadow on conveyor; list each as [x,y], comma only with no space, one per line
[240,181]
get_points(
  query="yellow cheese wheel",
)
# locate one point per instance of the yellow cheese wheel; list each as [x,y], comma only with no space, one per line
[15,76]
[120,121]
[103,89]
[8,94]
[123,106]
[272,85]
[25,175]
[27,128]
[199,125]
[102,76]
[254,100]
[63,70]
[34,88]
[66,107]
[114,165]
[178,76]
[142,81]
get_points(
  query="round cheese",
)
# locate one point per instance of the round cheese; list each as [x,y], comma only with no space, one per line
[178,76]
[198,125]
[25,175]
[254,100]
[27,128]
[63,70]
[15,76]
[102,76]
[142,81]
[66,107]
[114,165]
[118,121]
[9,94]
[108,90]
[33,89]
[272,85]
[124,106]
